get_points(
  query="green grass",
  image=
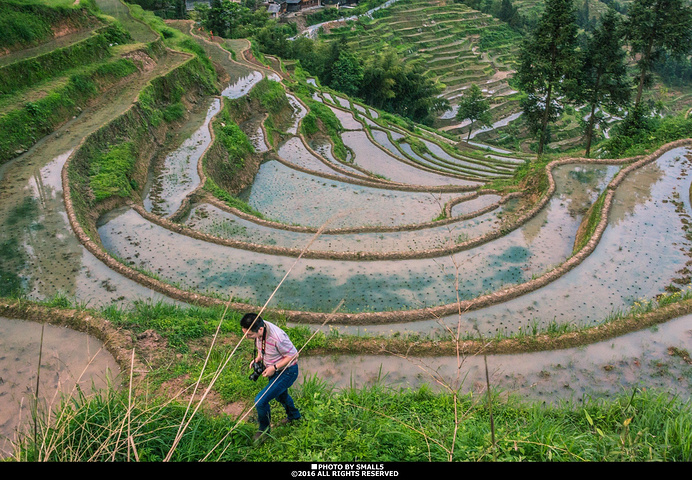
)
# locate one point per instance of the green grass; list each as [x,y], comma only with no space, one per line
[229,199]
[372,424]
[659,132]
[592,222]
[22,127]
[234,140]
[322,118]
[111,171]
[30,71]
[237,147]
[26,22]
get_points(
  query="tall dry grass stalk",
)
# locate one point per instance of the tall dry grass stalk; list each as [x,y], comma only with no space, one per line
[454,385]
[41,418]
[219,370]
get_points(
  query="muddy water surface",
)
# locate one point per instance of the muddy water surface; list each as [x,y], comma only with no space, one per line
[39,244]
[373,159]
[541,244]
[315,200]
[210,219]
[637,360]
[178,176]
[640,253]
[68,360]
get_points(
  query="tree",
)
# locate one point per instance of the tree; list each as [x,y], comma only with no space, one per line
[215,21]
[584,17]
[603,81]
[548,61]
[508,13]
[475,108]
[347,73]
[401,87]
[654,27]
[179,9]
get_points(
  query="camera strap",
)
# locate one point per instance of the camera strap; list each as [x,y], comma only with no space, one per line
[264,344]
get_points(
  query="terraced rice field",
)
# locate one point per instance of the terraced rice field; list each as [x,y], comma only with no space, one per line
[458,45]
[404,234]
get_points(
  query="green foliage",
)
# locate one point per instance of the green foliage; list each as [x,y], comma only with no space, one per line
[235,143]
[165,8]
[168,89]
[591,222]
[333,13]
[383,80]
[503,10]
[229,199]
[548,62]
[603,81]
[322,118]
[347,74]
[28,23]
[30,71]
[23,127]
[174,111]
[673,70]
[492,38]
[474,107]
[230,19]
[653,27]
[375,424]
[110,172]
[640,133]
[271,95]
[402,88]
[177,324]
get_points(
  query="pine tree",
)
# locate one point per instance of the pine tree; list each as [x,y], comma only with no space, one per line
[654,27]
[603,81]
[548,61]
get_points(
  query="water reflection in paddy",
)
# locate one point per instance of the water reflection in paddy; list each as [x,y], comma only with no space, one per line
[299,112]
[543,242]
[324,148]
[347,120]
[295,152]
[179,175]
[293,197]
[640,252]
[371,158]
[242,85]
[475,204]
[39,246]
[617,366]
[213,221]
[71,362]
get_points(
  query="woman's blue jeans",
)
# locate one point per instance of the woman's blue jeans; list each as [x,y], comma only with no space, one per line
[277,388]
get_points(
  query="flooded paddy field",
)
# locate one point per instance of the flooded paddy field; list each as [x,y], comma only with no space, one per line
[317,200]
[642,251]
[544,241]
[214,221]
[640,360]
[611,279]
[71,361]
[371,285]
[178,176]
